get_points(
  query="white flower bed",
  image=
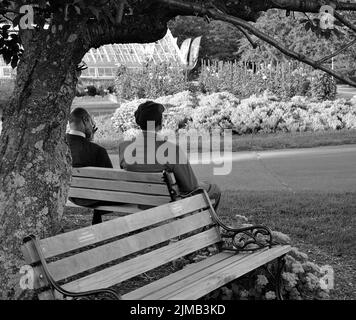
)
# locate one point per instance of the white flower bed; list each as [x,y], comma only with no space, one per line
[223,110]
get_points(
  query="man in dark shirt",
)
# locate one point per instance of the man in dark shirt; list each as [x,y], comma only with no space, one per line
[85,153]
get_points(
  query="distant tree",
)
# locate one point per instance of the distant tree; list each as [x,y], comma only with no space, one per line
[299,32]
[220,40]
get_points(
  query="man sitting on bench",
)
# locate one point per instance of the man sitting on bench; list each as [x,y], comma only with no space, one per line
[150,114]
[85,153]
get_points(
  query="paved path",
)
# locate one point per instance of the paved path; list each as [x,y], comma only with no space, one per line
[325,169]
[344,91]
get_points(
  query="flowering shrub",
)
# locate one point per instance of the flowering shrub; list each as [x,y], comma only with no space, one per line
[266,113]
[106,129]
[214,111]
[260,114]
[123,118]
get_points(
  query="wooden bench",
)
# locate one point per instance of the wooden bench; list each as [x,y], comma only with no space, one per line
[89,261]
[128,191]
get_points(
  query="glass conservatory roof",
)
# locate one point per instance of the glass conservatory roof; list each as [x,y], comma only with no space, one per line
[104,61]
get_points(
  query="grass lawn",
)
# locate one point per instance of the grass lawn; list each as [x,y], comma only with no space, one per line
[322,225]
[260,142]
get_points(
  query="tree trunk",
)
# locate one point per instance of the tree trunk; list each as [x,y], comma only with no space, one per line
[34,167]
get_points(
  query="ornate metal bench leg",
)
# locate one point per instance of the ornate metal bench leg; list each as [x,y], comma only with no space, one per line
[280,265]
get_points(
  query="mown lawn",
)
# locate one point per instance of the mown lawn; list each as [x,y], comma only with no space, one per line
[321,224]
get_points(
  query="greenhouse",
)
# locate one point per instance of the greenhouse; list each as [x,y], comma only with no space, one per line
[102,63]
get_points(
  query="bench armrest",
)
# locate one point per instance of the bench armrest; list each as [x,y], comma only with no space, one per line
[248,238]
[109,292]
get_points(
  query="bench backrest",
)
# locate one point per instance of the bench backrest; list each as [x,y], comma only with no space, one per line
[125,247]
[120,186]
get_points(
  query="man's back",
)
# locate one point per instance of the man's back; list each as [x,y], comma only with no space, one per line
[147,162]
[86,153]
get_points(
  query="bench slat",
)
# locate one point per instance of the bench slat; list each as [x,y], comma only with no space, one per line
[76,239]
[138,265]
[156,286]
[117,174]
[178,282]
[115,196]
[220,274]
[123,186]
[87,260]
[125,208]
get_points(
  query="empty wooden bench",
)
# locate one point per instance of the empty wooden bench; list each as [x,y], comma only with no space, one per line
[89,261]
[128,191]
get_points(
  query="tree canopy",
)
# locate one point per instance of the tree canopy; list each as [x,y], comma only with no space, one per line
[299,32]
[109,21]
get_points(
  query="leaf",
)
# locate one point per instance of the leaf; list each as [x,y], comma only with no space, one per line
[14,61]
[307,26]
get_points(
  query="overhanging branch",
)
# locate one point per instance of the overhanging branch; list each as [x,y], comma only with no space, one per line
[218,15]
[337,52]
[344,21]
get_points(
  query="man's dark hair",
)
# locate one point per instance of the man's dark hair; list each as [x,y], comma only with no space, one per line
[149,111]
[78,115]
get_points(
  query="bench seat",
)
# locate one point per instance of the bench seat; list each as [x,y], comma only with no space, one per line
[198,279]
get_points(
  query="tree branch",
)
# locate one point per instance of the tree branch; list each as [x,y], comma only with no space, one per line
[310,6]
[344,21]
[218,15]
[336,52]
[132,29]
[250,40]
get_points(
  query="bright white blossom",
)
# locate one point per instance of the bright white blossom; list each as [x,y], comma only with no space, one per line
[270,295]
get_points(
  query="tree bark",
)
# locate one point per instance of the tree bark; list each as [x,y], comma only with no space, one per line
[34,168]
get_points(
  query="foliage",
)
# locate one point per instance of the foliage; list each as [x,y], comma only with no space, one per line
[301,33]
[214,111]
[106,129]
[255,114]
[93,88]
[245,79]
[262,114]
[219,39]
[151,81]
[323,86]
[92,91]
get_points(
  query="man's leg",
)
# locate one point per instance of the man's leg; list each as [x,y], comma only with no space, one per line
[214,193]
[97,215]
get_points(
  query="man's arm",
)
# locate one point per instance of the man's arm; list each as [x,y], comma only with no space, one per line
[183,172]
